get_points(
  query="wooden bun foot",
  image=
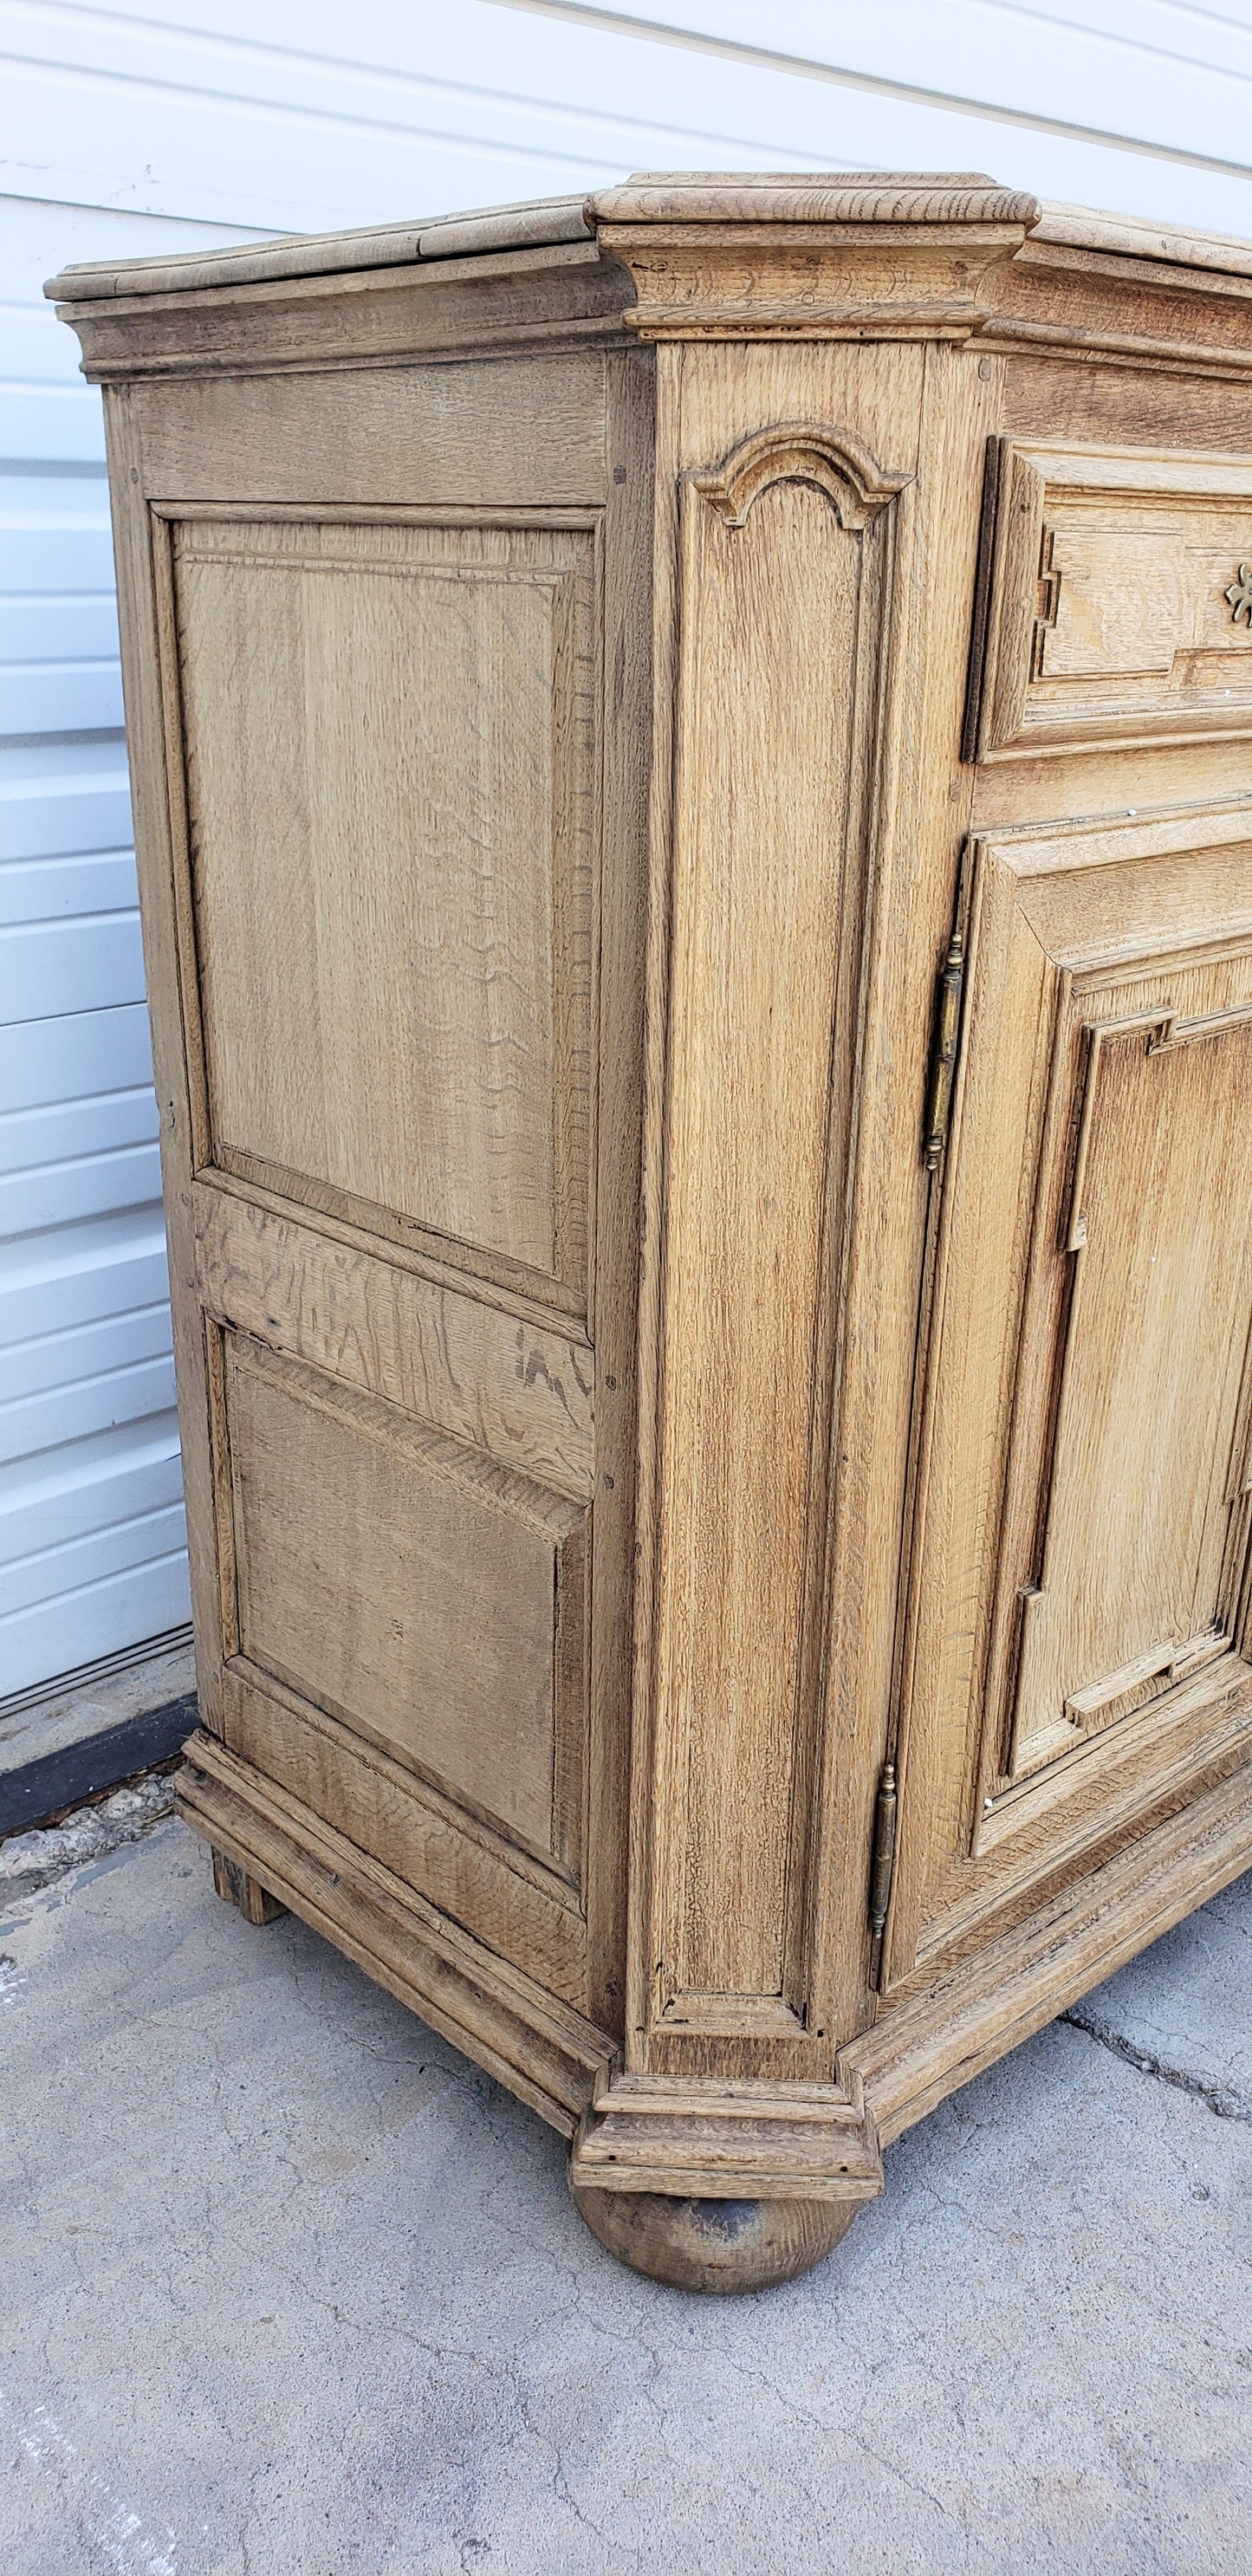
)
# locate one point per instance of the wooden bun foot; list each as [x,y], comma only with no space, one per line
[714,2245]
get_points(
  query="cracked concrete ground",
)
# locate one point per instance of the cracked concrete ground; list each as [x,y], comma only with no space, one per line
[292,2290]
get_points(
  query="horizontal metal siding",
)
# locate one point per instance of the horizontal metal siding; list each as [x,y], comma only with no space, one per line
[170,128]
[92,1536]
[295,113]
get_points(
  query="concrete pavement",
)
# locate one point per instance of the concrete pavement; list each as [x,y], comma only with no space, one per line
[292,2290]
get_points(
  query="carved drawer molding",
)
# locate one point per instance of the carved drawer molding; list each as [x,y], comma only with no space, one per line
[1112,606]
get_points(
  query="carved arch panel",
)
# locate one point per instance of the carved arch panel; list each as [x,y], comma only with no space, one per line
[786,552]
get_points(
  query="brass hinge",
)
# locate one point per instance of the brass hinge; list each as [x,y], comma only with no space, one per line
[946,1046]
[883,1856]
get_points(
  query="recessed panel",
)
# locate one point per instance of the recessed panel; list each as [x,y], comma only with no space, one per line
[786,569]
[390,782]
[429,1599]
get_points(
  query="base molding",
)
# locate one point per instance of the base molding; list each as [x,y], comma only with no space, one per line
[756,2144]
[924,2049]
[739,2140]
[535,2045]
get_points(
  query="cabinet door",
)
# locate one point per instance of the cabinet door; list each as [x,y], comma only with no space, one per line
[1078,1644]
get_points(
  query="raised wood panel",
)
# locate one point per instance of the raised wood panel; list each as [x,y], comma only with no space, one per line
[927,412]
[786,555]
[1084,1509]
[493,1378]
[1144,1459]
[1119,610]
[433,1601]
[392,847]
[507,1897]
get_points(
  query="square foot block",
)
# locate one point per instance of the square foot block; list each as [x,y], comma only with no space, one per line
[232,1882]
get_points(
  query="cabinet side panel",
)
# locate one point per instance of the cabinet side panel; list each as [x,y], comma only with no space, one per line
[484,429]
[372,765]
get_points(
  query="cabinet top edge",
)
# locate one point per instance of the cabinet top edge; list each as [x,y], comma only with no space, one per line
[897,198]
[1170,245]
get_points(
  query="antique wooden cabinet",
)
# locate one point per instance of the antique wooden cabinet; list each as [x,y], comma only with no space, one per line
[693,780]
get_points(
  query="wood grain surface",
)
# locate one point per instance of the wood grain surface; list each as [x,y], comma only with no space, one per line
[578,700]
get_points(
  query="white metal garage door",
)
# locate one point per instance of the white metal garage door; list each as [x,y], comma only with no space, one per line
[92,1554]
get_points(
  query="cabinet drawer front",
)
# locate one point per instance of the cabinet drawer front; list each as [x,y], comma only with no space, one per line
[1119,606]
[1080,1623]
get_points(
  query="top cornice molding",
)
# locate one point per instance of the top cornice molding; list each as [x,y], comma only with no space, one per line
[924,198]
[893,197]
[685,256]
[662,198]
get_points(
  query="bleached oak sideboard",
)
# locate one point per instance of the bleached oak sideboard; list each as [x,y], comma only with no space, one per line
[693,780]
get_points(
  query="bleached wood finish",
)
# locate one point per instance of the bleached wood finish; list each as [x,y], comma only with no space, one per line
[1084,1476]
[785,573]
[1116,606]
[596,672]
[420,948]
[499,1377]
[464,1652]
